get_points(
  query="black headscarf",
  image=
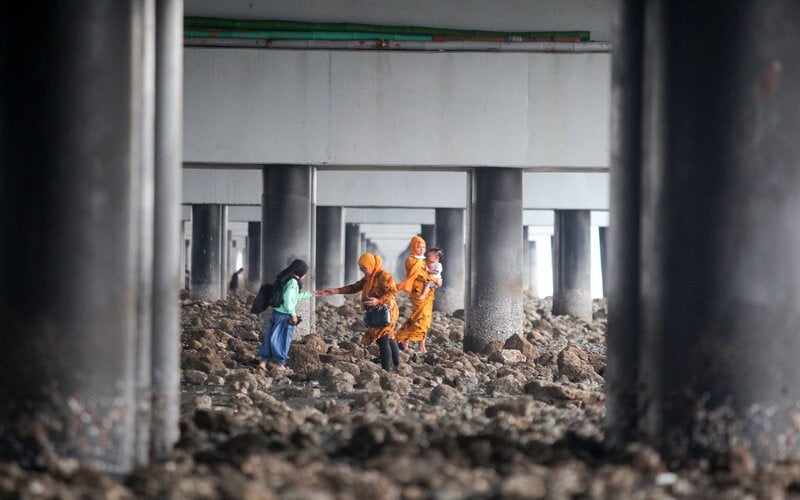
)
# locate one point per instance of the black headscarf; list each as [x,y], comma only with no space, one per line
[298,267]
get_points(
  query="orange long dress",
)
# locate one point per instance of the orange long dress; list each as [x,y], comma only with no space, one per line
[384,289]
[417,325]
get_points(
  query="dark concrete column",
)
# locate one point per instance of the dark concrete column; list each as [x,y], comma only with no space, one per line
[224,251]
[207,233]
[573,295]
[533,269]
[494,306]
[182,254]
[450,236]
[253,269]
[603,239]
[720,239]
[286,228]
[352,240]
[144,15]
[428,233]
[526,260]
[372,247]
[553,266]
[187,252]
[330,252]
[167,269]
[70,134]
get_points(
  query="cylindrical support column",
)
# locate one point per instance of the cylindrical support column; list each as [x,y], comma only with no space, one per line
[286,220]
[207,227]
[533,269]
[330,252]
[187,258]
[253,270]
[352,240]
[720,238]
[573,294]
[428,233]
[70,135]
[602,235]
[167,269]
[526,260]
[450,235]
[144,16]
[182,255]
[494,306]
[224,246]
[553,266]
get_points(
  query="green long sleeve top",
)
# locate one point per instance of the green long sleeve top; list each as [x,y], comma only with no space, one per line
[291,294]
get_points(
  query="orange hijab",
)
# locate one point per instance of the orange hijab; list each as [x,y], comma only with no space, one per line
[418,267]
[371,263]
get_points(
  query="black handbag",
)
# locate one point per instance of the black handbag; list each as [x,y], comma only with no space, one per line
[377,316]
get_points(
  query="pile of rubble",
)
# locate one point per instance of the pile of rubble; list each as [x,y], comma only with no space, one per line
[524,419]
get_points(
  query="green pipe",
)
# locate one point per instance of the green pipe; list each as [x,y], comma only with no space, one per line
[273,25]
[301,35]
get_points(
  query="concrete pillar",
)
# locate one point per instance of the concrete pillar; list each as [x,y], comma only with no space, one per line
[70,151]
[720,299]
[526,260]
[167,266]
[207,225]
[573,294]
[253,266]
[428,233]
[553,264]
[187,256]
[602,236]
[351,253]
[286,219]
[494,304]
[224,247]
[533,269]
[182,255]
[450,236]
[330,252]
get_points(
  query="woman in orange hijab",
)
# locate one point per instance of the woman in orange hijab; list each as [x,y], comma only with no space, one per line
[417,325]
[377,287]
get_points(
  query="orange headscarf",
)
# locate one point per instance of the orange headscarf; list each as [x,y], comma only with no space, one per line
[419,264]
[371,263]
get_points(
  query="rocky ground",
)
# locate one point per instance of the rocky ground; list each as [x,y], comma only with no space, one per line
[522,420]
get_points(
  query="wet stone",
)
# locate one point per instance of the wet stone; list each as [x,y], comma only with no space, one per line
[521,419]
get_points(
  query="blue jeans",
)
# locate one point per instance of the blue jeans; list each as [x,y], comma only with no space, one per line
[277,338]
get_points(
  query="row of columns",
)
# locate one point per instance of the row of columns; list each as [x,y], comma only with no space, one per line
[492,293]
[90,157]
[338,246]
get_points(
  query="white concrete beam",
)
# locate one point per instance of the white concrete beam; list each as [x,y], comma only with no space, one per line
[397,109]
[398,189]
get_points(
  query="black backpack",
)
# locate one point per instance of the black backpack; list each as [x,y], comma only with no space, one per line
[270,294]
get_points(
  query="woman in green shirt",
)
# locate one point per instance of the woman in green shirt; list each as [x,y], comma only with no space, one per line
[280,327]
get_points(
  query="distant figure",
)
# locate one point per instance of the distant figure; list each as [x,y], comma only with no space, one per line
[234,284]
[434,269]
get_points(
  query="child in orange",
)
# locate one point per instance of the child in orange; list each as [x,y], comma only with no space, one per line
[434,269]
